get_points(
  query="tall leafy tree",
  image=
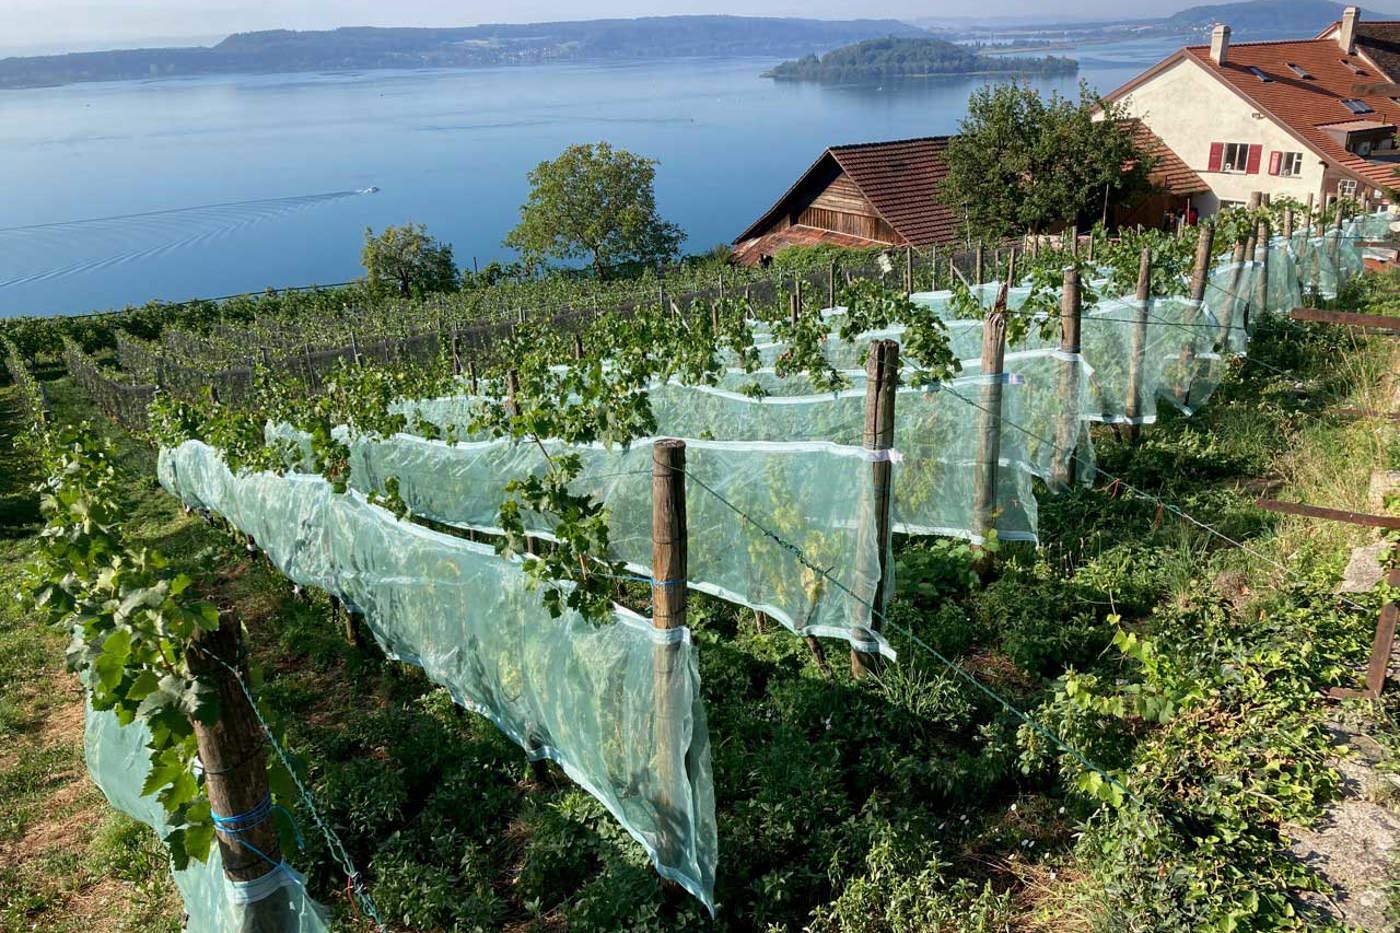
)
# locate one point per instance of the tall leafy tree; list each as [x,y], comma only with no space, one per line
[408,261]
[1022,162]
[596,203]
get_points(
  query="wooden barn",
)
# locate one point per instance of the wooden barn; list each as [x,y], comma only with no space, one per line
[869,194]
[885,194]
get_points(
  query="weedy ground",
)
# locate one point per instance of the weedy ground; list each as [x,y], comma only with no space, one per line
[1188,666]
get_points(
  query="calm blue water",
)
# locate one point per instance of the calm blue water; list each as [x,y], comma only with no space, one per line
[273,163]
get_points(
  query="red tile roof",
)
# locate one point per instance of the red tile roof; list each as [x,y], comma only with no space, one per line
[899,178]
[1304,105]
[750,252]
[1169,172]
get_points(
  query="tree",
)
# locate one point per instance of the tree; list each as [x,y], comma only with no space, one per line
[407,259]
[1022,162]
[597,203]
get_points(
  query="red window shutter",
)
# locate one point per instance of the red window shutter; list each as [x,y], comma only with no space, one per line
[1255,154]
[1275,160]
[1217,156]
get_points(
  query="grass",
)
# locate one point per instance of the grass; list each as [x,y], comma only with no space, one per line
[908,803]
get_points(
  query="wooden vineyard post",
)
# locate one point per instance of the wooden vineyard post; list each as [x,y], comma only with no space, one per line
[984,492]
[471,376]
[456,350]
[1261,279]
[1288,225]
[1227,307]
[881,384]
[1066,465]
[1072,240]
[714,316]
[669,574]
[233,754]
[1309,216]
[933,268]
[1137,354]
[1336,249]
[831,285]
[578,347]
[795,302]
[1384,639]
[908,270]
[1200,278]
[977,265]
[354,349]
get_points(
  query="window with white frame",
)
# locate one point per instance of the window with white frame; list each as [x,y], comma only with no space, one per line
[1347,187]
[1290,164]
[1236,157]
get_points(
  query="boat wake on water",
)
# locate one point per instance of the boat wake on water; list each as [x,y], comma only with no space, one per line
[39,252]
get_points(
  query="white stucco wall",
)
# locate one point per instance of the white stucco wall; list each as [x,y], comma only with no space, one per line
[1189,109]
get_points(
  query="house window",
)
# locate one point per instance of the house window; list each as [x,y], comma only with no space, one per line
[1236,157]
[1357,106]
[1347,187]
[1299,70]
[1226,205]
[1290,164]
[1261,74]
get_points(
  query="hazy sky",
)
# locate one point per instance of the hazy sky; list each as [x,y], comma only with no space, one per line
[63,24]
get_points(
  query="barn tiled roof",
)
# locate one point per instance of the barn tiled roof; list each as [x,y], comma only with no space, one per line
[1169,172]
[749,252]
[1305,105]
[899,178]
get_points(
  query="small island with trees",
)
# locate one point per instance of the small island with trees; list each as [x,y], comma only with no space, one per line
[898,58]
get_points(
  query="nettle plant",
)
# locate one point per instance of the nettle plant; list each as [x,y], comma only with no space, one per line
[132,622]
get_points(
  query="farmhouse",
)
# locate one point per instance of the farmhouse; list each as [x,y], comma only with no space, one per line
[862,195]
[885,193]
[1310,119]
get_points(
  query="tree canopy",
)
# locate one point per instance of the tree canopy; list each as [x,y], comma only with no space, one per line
[596,203]
[1022,162]
[405,259]
[899,57]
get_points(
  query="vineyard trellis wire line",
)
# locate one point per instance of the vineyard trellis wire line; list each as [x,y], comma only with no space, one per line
[954,667]
[354,879]
[1174,509]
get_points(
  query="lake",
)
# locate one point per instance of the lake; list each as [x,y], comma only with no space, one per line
[119,193]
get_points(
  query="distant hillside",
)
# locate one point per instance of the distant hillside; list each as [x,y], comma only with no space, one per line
[366,48]
[893,58]
[1297,19]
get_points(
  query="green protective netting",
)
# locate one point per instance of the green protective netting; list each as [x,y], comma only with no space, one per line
[742,497]
[1327,261]
[118,760]
[616,705]
[935,437]
[1374,226]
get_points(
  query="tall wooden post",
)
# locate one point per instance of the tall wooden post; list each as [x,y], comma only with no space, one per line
[1260,303]
[354,349]
[578,347]
[1073,233]
[1288,224]
[977,264]
[1092,237]
[831,285]
[1337,247]
[795,301]
[984,493]
[1138,352]
[933,268]
[233,753]
[512,393]
[471,377]
[1309,224]
[1064,472]
[881,384]
[669,575]
[908,270]
[1232,296]
[1200,278]
[455,348]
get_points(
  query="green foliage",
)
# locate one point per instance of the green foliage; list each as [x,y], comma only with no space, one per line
[1022,162]
[597,203]
[407,262]
[893,58]
[131,621]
